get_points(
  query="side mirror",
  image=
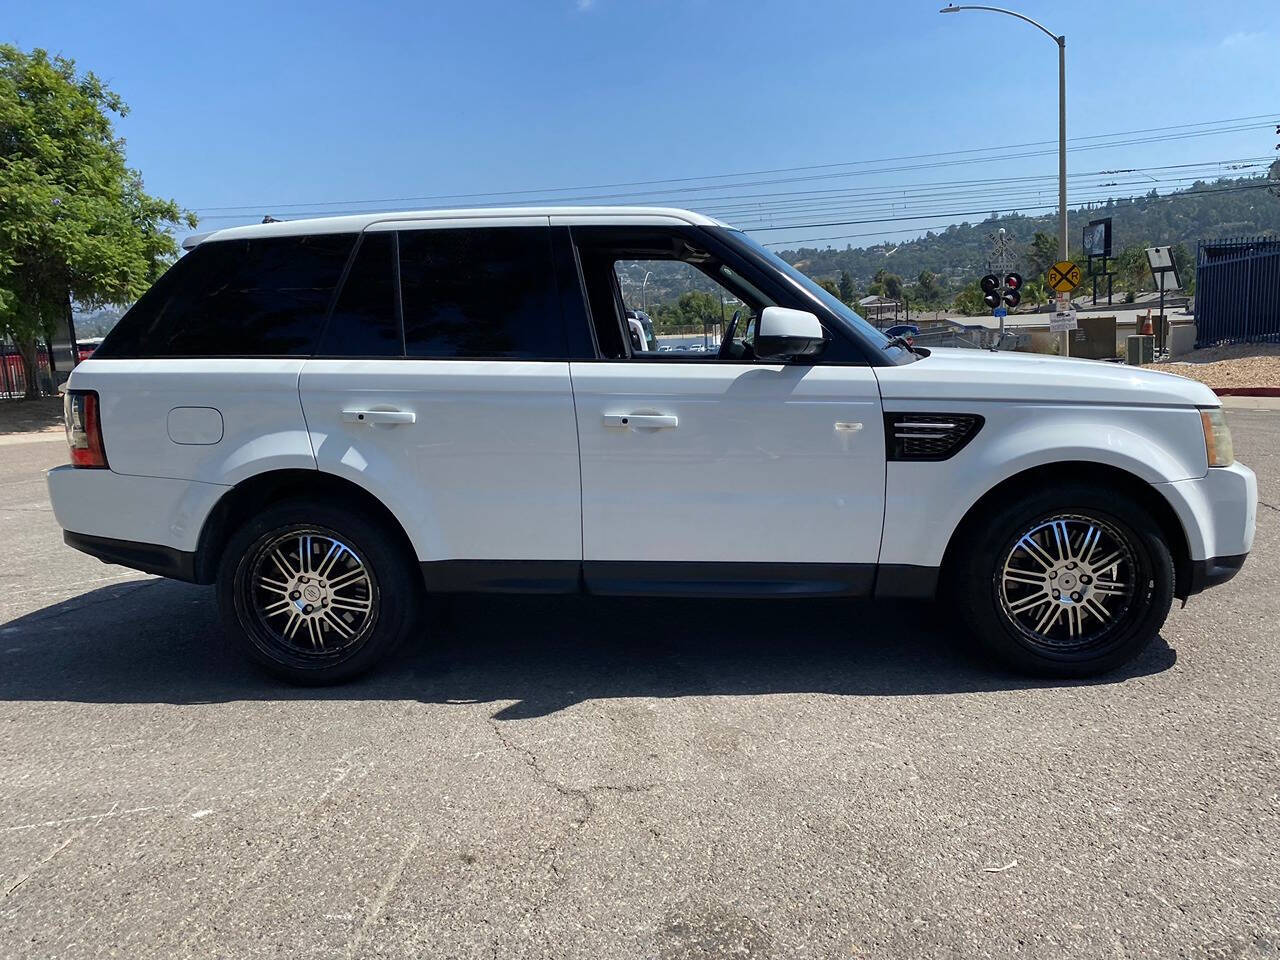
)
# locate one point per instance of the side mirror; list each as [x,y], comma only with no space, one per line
[784,334]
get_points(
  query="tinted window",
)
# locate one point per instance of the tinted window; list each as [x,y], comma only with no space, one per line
[484,292]
[364,322]
[263,297]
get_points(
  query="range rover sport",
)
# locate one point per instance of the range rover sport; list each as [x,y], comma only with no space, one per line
[335,420]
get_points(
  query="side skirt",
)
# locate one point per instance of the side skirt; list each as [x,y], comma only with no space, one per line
[502,576]
[746,580]
[625,578]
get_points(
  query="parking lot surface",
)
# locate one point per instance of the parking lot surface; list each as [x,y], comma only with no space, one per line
[595,778]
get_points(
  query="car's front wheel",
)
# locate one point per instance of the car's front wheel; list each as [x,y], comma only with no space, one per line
[1071,581]
[316,593]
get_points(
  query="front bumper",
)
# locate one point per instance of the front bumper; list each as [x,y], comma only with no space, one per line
[1218,513]
[1210,573]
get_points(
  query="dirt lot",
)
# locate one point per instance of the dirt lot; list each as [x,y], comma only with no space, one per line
[1240,365]
[30,416]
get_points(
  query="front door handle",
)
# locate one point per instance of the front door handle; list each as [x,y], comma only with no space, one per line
[651,421]
[378,416]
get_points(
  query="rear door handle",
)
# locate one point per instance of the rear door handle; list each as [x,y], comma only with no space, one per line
[652,421]
[378,416]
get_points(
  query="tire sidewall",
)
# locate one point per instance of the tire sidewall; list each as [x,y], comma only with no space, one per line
[978,581]
[396,574]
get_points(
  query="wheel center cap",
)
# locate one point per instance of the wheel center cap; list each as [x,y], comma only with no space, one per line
[1068,581]
[311,593]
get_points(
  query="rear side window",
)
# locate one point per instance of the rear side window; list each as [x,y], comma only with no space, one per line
[365,320]
[486,292]
[243,298]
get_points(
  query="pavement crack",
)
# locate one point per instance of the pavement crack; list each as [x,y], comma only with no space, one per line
[27,876]
[1269,506]
[540,775]
[56,850]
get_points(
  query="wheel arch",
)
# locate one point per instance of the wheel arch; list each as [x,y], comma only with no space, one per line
[255,493]
[1107,476]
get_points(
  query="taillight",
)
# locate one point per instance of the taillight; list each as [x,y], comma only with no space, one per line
[84,429]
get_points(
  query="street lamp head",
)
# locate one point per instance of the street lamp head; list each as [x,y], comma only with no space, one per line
[950,8]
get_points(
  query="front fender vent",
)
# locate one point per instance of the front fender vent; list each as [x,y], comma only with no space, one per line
[928,436]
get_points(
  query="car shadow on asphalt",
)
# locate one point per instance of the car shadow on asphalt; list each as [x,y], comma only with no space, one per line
[160,641]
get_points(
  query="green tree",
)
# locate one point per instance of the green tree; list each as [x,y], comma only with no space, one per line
[969,301]
[1035,291]
[690,312]
[1186,265]
[1132,269]
[1041,255]
[928,290]
[75,222]
[886,284]
[846,293]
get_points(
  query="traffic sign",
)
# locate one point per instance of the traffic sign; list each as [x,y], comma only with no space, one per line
[1063,321]
[999,312]
[1064,276]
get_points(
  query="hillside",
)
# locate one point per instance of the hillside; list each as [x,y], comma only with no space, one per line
[1241,207]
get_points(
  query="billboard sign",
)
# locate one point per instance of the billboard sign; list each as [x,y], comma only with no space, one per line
[1097,238]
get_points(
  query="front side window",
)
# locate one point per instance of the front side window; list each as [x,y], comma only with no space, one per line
[655,293]
[675,309]
[261,297]
[483,292]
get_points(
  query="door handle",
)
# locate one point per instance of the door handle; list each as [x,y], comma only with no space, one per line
[378,416]
[651,421]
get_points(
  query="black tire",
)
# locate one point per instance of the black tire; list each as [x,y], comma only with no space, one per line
[995,581]
[337,638]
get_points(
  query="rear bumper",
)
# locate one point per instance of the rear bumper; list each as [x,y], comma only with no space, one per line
[103,504]
[147,557]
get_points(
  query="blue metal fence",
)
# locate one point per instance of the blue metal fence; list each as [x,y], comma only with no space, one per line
[1238,291]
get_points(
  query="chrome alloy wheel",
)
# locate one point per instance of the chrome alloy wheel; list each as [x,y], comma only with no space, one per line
[310,596]
[1068,582]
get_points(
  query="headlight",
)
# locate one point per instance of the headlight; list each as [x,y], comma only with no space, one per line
[1217,437]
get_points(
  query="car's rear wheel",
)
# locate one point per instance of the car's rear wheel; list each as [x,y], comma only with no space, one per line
[316,593]
[1071,581]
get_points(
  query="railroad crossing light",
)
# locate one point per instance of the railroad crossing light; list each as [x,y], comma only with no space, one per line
[1012,290]
[990,285]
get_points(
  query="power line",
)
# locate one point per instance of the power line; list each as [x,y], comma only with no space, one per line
[733,205]
[1175,196]
[1208,166]
[742,213]
[1082,143]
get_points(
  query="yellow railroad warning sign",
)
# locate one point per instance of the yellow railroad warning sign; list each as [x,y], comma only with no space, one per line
[1064,276]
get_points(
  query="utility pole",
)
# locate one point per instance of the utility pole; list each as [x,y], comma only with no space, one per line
[1061,41]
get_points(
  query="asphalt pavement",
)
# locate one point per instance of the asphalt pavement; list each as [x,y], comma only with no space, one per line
[577,778]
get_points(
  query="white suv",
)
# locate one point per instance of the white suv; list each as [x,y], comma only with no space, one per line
[335,419]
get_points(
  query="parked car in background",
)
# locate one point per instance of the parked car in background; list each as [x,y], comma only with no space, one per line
[337,420]
[85,346]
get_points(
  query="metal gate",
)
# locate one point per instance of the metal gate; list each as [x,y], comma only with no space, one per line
[1238,291]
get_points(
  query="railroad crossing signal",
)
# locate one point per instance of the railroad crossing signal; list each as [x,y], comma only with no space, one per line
[996,294]
[1064,276]
[990,285]
[1012,289]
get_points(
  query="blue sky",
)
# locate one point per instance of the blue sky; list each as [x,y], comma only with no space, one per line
[286,108]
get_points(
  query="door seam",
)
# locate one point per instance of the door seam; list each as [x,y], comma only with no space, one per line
[577,436]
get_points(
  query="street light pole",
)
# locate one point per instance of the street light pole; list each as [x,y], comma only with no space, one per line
[644,300]
[1061,41]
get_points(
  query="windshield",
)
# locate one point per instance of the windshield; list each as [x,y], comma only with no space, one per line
[867,333]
